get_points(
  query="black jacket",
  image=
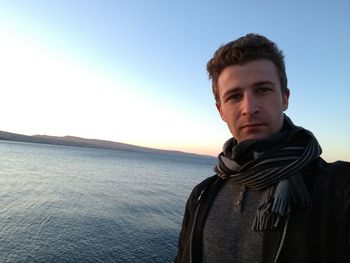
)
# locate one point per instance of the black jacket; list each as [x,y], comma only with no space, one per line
[320,233]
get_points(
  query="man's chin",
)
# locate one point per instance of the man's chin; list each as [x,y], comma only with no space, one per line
[255,136]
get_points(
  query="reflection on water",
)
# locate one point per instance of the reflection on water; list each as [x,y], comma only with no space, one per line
[70,204]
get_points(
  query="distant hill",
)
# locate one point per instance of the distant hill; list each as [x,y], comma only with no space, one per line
[88,143]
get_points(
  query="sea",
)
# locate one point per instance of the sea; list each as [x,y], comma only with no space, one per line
[74,204]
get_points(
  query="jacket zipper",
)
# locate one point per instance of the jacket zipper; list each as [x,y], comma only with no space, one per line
[282,239]
[194,223]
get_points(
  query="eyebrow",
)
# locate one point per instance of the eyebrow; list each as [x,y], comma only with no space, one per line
[264,82]
[231,91]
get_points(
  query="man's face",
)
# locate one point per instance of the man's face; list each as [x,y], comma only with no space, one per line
[251,100]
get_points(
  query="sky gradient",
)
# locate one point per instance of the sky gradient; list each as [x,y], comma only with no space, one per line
[134,71]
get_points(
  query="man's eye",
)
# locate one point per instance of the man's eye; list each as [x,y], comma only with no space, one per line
[263,90]
[234,97]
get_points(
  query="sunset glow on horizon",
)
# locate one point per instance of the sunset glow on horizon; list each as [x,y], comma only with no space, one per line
[137,75]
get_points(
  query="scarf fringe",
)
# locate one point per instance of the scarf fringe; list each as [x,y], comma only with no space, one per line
[265,219]
[300,194]
[280,203]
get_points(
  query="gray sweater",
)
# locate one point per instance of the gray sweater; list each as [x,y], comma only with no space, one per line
[227,234]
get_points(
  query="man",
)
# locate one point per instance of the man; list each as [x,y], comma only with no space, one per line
[273,198]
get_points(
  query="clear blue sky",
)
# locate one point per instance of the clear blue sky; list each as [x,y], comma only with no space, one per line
[134,71]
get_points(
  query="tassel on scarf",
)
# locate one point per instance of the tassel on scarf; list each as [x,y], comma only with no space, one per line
[281,195]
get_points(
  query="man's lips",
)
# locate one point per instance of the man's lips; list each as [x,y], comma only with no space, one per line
[252,125]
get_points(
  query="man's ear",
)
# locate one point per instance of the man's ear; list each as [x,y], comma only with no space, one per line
[285,99]
[218,106]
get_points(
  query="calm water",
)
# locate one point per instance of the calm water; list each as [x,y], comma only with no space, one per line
[70,204]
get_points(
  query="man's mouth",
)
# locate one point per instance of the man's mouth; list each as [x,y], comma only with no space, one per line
[252,125]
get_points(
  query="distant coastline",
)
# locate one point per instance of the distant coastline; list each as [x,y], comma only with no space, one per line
[87,143]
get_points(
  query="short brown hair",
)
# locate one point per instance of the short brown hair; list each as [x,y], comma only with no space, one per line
[242,50]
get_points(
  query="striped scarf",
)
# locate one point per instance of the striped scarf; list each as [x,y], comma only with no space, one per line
[272,165]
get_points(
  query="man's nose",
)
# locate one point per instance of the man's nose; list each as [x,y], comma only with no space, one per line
[249,105]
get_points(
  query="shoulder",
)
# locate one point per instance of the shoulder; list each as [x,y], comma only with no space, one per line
[337,166]
[332,178]
[339,170]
